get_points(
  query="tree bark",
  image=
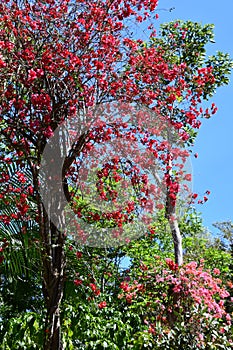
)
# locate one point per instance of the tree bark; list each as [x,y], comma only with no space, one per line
[52,230]
[52,226]
[175,230]
[53,283]
[53,259]
[172,218]
[177,240]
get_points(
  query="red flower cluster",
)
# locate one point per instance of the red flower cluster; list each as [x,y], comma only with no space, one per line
[78,282]
[94,289]
[102,304]
[172,266]
[79,255]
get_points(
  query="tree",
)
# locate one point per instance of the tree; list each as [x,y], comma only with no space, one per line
[184,43]
[67,61]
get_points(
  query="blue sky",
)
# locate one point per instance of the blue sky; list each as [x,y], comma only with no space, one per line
[213,170]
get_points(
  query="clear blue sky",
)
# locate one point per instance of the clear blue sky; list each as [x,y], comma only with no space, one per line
[213,170]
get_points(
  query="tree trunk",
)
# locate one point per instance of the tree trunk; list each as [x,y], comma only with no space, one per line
[171,212]
[52,200]
[52,227]
[178,251]
[175,230]
[53,283]
[177,239]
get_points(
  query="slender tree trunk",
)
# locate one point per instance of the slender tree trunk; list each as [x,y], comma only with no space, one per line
[178,251]
[177,240]
[175,231]
[171,210]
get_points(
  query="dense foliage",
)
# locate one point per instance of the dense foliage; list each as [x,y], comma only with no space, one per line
[74,76]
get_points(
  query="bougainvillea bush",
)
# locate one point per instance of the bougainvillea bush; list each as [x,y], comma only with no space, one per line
[181,307]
